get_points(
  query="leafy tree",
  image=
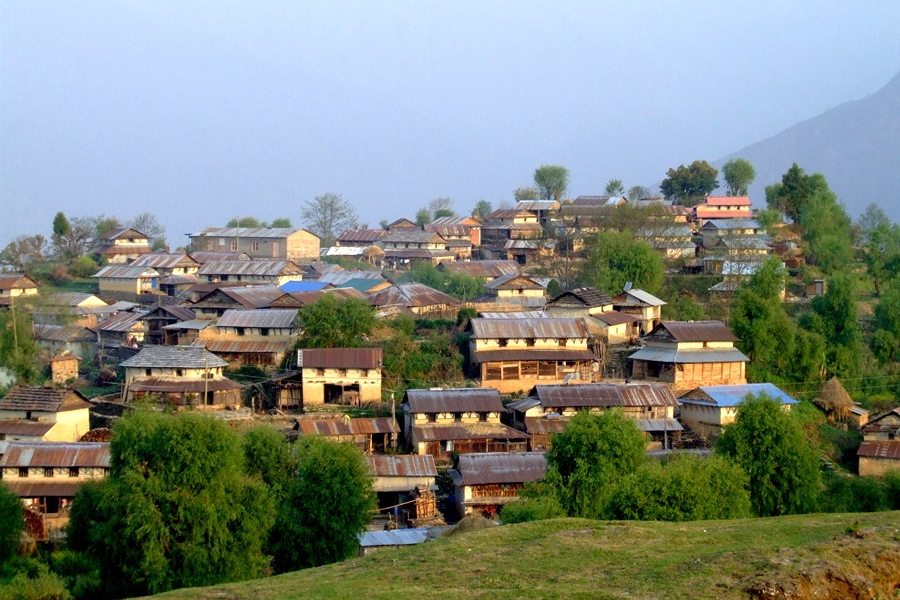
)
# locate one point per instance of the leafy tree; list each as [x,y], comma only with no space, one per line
[528,192]
[268,456]
[282,222]
[149,225]
[440,207]
[74,239]
[104,224]
[537,501]
[61,225]
[767,217]
[638,192]
[614,187]
[885,342]
[552,181]
[420,361]
[834,317]
[423,217]
[12,522]
[790,196]
[481,210]
[327,503]
[332,322]
[328,216]
[689,185]
[880,245]
[684,308]
[588,459]
[176,510]
[827,231]
[464,287]
[18,351]
[769,445]
[686,488]
[21,253]
[739,174]
[245,222]
[614,258]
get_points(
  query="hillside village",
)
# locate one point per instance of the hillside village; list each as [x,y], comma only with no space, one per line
[450,352]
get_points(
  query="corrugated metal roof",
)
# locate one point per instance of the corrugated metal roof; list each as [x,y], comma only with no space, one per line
[55,454]
[304,286]
[535,205]
[382,465]
[203,257]
[614,317]
[411,295]
[165,260]
[724,224]
[63,333]
[693,331]
[513,281]
[543,328]
[125,272]
[515,314]
[74,299]
[183,386]
[361,236]
[184,357]
[23,427]
[657,425]
[638,297]
[454,400]
[466,431]
[467,222]
[254,268]
[276,318]
[197,324]
[395,537]
[245,347]
[482,268]
[341,358]
[19,281]
[532,354]
[412,236]
[507,214]
[122,322]
[604,395]
[500,467]
[880,449]
[42,399]
[340,277]
[249,232]
[347,427]
[733,395]
[702,355]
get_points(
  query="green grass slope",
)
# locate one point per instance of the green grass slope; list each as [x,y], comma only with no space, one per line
[821,556]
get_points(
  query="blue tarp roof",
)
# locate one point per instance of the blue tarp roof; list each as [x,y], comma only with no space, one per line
[732,395]
[303,286]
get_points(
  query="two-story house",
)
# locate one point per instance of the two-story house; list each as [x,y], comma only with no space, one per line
[121,245]
[485,483]
[257,272]
[404,246]
[127,282]
[341,376]
[420,299]
[513,355]
[690,354]
[40,414]
[722,207]
[641,304]
[258,337]
[710,407]
[879,452]
[283,243]
[504,225]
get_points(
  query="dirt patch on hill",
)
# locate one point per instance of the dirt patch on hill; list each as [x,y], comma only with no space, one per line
[861,565]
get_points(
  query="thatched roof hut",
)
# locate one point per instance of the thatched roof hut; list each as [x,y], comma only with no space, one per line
[835,399]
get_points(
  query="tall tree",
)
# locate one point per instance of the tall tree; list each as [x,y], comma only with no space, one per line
[481,210]
[282,223]
[176,511]
[769,445]
[638,192]
[12,522]
[792,194]
[423,217]
[104,224]
[24,251]
[527,192]
[149,225]
[552,181]
[245,222]
[327,504]
[441,207]
[61,226]
[885,341]
[615,258]
[18,350]
[614,187]
[332,322]
[689,185]
[880,245]
[739,174]
[328,216]
[835,318]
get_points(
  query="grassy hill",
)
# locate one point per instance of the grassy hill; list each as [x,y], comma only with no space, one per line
[821,556]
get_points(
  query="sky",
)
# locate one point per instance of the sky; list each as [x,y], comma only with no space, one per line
[201,111]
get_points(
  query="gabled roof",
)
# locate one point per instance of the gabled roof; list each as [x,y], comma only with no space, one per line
[122,233]
[411,295]
[125,272]
[724,224]
[586,297]
[361,236]
[499,468]
[734,395]
[251,232]
[692,331]
[513,282]
[603,395]
[402,223]
[613,317]
[727,201]
[304,286]
[346,427]
[55,454]
[165,260]
[243,346]
[636,297]
[169,311]
[41,399]
[176,357]
[537,205]
[507,214]
[692,356]
[339,277]
[516,314]
[203,256]
[412,236]
[481,268]
[258,268]
[454,400]
[597,200]
[63,333]
[121,322]
[466,431]
[467,222]
[275,318]
[258,296]
[340,358]
[17,281]
[884,449]
[543,328]
[415,465]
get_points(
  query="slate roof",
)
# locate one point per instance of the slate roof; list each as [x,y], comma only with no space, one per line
[176,357]
[734,395]
[499,467]
[454,400]
[586,297]
[41,399]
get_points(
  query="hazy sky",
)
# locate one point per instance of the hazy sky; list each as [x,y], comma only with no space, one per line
[201,111]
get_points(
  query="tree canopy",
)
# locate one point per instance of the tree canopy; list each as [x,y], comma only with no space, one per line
[689,185]
[615,258]
[526,192]
[328,216]
[552,181]
[769,445]
[12,522]
[332,322]
[738,174]
[614,187]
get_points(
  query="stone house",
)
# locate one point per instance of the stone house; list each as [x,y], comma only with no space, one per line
[39,414]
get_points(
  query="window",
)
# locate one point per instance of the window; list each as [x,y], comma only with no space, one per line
[234,245]
[179,373]
[264,331]
[240,331]
[48,472]
[221,241]
[73,471]
[255,246]
[148,372]
[448,445]
[23,471]
[502,343]
[561,342]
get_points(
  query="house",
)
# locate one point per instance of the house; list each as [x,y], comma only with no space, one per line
[179,376]
[652,406]
[440,422]
[674,241]
[185,333]
[713,230]
[596,308]
[501,226]
[710,407]
[515,289]
[722,207]
[122,329]
[425,302]
[57,340]
[369,435]
[16,285]
[202,257]
[257,272]
[544,209]
[168,263]
[487,482]
[689,354]
[121,246]
[47,475]
[279,243]
[341,376]
[458,229]
[403,246]
[126,282]
[879,452]
[513,355]
[340,277]
[402,223]
[160,316]
[214,303]
[71,308]
[486,270]
[529,252]
[405,482]
[640,304]
[734,274]
[359,238]
[258,337]
[39,414]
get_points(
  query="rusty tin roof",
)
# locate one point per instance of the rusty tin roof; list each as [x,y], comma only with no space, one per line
[341,358]
[402,466]
[604,395]
[454,400]
[542,328]
[55,454]
[500,467]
